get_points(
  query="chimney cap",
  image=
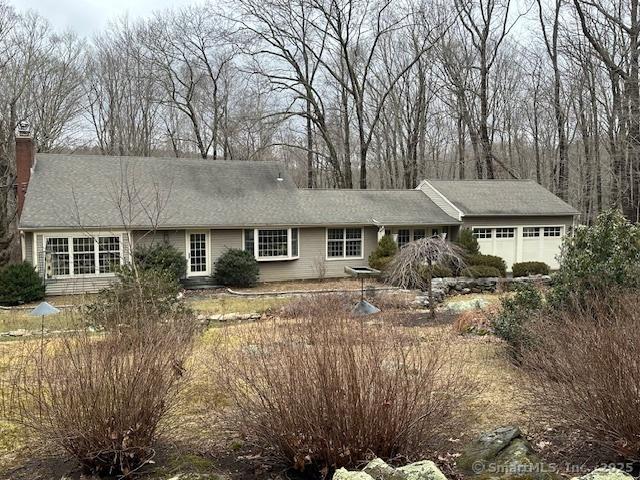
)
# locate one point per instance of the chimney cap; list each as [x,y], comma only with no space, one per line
[23,129]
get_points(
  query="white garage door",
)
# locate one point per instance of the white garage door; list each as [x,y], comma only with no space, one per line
[542,244]
[521,244]
[500,241]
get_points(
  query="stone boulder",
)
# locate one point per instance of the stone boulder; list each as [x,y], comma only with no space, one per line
[344,474]
[377,469]
[503,454]
[424,470]
[605,474]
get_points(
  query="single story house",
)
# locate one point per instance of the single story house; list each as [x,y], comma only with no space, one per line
[80,214]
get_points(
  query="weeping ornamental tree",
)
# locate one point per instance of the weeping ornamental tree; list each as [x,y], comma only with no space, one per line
[412,266]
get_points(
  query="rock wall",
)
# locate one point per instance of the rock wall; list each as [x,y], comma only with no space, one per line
[443,287]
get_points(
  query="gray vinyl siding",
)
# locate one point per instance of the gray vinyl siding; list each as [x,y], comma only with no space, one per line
[313,252]
[74,285]
[439,200]
[508,221]
[174,238]
[221,240]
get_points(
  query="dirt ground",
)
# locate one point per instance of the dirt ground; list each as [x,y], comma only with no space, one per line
[195,441]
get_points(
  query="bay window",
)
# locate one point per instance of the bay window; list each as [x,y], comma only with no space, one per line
[82,255]
[344,243]
[272,243]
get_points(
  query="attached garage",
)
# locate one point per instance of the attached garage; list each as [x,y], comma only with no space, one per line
[540,243]
[518,220]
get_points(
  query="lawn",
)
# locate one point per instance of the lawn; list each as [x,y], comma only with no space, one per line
[195,441]
[224,304]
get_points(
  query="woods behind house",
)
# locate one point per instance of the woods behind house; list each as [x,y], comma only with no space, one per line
[347,93]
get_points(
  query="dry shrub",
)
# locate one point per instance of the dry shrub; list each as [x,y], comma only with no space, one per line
[584,364]
[475,321]
[341,304]
[328,391]
[101,398]
[310,306]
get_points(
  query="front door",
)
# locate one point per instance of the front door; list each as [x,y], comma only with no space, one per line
[198,254]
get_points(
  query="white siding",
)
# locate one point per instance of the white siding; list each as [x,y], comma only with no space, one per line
[440,200]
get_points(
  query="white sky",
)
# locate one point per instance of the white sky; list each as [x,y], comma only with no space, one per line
[87,17]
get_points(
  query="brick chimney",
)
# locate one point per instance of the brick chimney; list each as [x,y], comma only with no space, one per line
[25,154]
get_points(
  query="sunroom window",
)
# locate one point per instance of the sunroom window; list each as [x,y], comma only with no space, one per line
[272,243]
[108,253]
[69,256]
[58,249]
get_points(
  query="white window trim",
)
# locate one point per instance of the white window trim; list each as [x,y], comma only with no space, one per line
[279,258]
[96,251]
[207,252]
[344,244]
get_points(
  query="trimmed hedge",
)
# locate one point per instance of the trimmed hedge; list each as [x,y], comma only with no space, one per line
[20,283]
[438,271]
[236,268]
[441,271]
[481,271]
[524,269]
[161,257]
[481,260]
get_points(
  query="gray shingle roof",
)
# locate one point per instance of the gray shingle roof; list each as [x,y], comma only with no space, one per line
[88,191]
[385,207]
[502,197]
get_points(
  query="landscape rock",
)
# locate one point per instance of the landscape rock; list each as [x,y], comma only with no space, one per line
[504,454]
[424,470]
[486,447]
[465,285]
[379,470]
[344,474]
[605,474]
[21,332]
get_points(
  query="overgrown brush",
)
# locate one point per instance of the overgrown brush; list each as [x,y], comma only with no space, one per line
[324,391]
[512,322]
[585,373]
[102,398]
[138,295]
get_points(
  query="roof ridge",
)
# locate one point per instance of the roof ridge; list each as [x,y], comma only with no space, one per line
[209,161]
[307,189]
[481,180]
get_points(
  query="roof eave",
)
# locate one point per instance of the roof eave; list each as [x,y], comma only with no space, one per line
[231,226]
